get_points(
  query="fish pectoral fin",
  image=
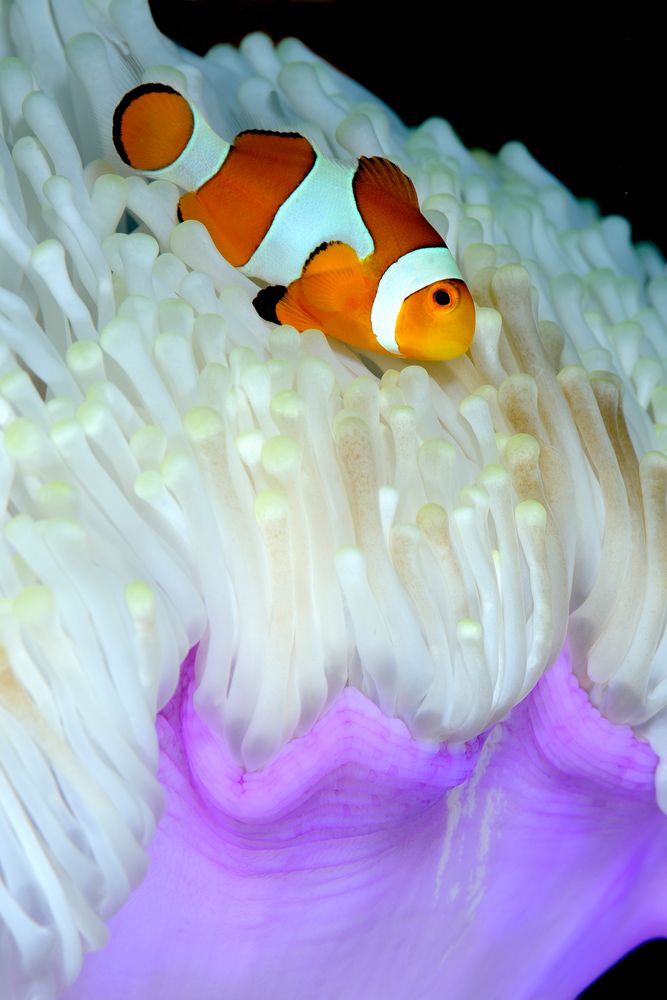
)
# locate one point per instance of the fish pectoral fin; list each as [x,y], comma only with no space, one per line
[331,292]
[383,175]
[292,312]
[332,282]
[332,256]
[267,299]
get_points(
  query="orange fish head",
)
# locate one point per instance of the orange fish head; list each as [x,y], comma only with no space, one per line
[437,322]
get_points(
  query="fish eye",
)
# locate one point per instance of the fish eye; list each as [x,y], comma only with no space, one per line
[444,296]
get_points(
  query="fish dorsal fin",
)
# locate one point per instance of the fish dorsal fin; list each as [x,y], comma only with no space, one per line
[327,257]
[388,178]
[388,205]
[239,202]
[268,131]
[285,147]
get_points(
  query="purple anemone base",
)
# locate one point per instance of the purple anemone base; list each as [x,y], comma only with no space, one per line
[364,864]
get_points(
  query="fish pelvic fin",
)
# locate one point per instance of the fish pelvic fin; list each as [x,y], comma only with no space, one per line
[267,299]
[292,310]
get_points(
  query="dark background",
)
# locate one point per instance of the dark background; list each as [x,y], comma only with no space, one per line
[586,97]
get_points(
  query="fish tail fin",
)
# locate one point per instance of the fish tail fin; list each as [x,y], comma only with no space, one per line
[152,125]
[161,133]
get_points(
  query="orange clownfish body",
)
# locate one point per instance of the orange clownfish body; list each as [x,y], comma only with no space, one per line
[343,249]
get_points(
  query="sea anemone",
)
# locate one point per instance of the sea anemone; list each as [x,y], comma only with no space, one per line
[382,646]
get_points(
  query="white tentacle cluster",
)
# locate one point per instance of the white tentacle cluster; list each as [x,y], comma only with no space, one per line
[176,471]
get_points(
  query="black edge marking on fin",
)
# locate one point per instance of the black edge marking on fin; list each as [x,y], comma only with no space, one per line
[318,249]
[129,98]
[179,214]
[270,131]
[267,299]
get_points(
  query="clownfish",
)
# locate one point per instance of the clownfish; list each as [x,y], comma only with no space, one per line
[340,248]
